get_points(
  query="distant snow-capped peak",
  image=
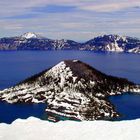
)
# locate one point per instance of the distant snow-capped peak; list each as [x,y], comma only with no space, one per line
[29,35]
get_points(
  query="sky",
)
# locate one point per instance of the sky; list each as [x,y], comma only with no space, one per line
[78,20]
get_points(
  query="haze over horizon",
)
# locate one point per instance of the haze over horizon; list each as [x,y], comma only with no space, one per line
[78,20]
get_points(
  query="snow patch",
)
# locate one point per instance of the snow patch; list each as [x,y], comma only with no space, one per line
[75,61]
[134,50]
[29,35]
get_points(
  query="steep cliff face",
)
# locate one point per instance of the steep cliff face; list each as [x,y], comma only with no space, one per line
[72,89]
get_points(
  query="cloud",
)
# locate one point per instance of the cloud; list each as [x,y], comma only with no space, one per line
[81,21]
[16,7]
[110,6]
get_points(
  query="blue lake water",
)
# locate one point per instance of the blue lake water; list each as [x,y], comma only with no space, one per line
[18,65]
[128,105]
[10,112]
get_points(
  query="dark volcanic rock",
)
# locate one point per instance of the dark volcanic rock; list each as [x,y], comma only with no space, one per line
[72,89]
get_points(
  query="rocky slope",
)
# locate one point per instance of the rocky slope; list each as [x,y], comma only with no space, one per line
[72,89]
[105,43]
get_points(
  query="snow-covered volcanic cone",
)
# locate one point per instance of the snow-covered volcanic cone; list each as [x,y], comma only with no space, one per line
[72,89]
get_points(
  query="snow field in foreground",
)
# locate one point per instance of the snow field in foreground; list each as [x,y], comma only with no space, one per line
[35,129]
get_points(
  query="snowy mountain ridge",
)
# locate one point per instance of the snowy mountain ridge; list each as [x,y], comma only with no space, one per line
[72,89]
[112,43]
[104,43]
